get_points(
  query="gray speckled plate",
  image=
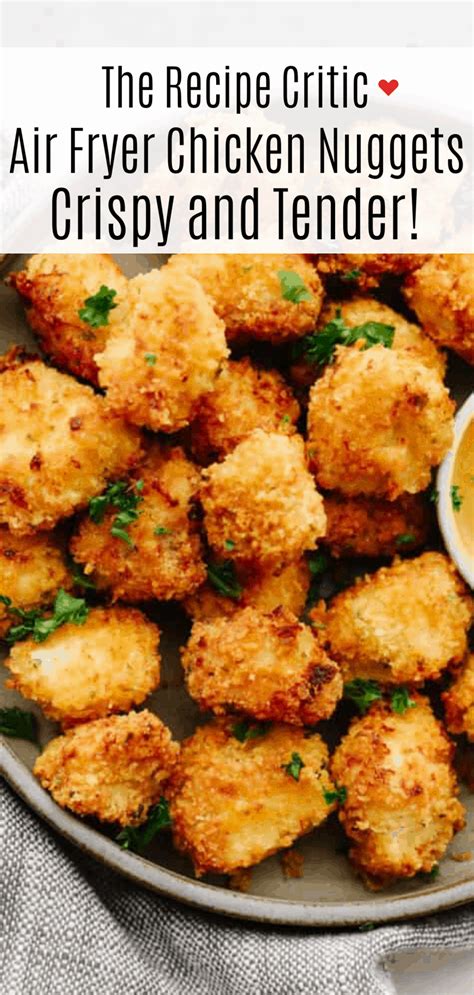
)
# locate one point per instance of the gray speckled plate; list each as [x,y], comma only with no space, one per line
[328,894]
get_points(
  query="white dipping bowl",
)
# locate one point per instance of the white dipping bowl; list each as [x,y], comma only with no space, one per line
[454,524]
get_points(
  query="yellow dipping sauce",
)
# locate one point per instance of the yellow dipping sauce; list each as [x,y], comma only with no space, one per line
[463,480]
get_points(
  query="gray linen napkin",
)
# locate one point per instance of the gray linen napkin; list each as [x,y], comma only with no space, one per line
[70,927]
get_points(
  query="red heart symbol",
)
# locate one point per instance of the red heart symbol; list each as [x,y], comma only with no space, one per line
[388,85]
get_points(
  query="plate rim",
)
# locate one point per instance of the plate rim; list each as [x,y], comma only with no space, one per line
[214,899]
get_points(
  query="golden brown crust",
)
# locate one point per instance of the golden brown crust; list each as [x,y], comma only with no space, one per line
[362,526]
[371,267]
[401,809]
[164,351]
[377,423]
[244,398]
[263,588]
[442,294]
[267,666]
[459,701]
[404,624]
[247,293]
[232,804]
[32,569]
[166,559]
[55,287]
[59,444]
[83,672]
[113,769]
[263,500]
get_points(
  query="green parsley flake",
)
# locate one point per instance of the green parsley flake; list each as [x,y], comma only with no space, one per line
[294,766]
[244,730]
[434,495]
[150,358]
[223,578]
[293,288]
[18,724]
[405,539]
[339,796]
[400,701]
[351,275]
[456,498]
[161,530]
[96,309]
[319,347]
[80,579]
[33,624]
[229,544]
[124,496]
[362,693]
[136,838]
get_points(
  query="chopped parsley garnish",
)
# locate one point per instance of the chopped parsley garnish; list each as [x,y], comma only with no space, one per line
[433,873]
[18,724]
[150,358]
[400,701]
[229,544]
[294,766]
[339,796]
[405,539]
[96,309]
[434,495]
[285,420]
[293,288]
[33,624]
[80,578]
[161,530]
[352,274]
[223,578]
[136,838]
[245,730]
[362,693]
[456,498]
[317,563]
[124,496]
[319,347]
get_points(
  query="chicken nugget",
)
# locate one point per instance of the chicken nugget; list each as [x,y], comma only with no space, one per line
[442,295]
[362,526]
[164,351]
[113,769]
[401,808]
[86,671]
[32,570]
[236,798]
[244,398]
[274,298]
[364,271]
[267,666]
[459,701]
[158,555]
[377,423]
[261,503]
[403,624]
[264,588]
[59,444]
[55,289]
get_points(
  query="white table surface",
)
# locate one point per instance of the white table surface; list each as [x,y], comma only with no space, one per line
[433,973]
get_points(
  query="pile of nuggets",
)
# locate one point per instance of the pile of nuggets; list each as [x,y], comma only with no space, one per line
[214,432]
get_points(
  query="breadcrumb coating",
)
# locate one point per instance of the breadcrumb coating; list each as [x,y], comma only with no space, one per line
[403,624]
[55,288]
[267,666]
[362,526]
[248,295]
[263,588]
[113,769]
[262,499]
[32,569]
[164,351]
[402,808]
[459,701]
[59,444]
[233,803]
[244,398]
[81,672]
[165,560]
[377,423]
[442,295]
[369,268]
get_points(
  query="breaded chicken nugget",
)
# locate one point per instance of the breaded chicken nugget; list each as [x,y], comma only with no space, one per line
[59,444]
[264,588]
[274,298]
[55,288]
[267,666]
[32,569]
[235,802]
[244,398]
[164,351]
[459,701]
[367,270]
[162,557]
[404,624]
[83,672]
[377,423]
[401,808]
[442,295]
[113,769]
[363,526]
[260,503]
